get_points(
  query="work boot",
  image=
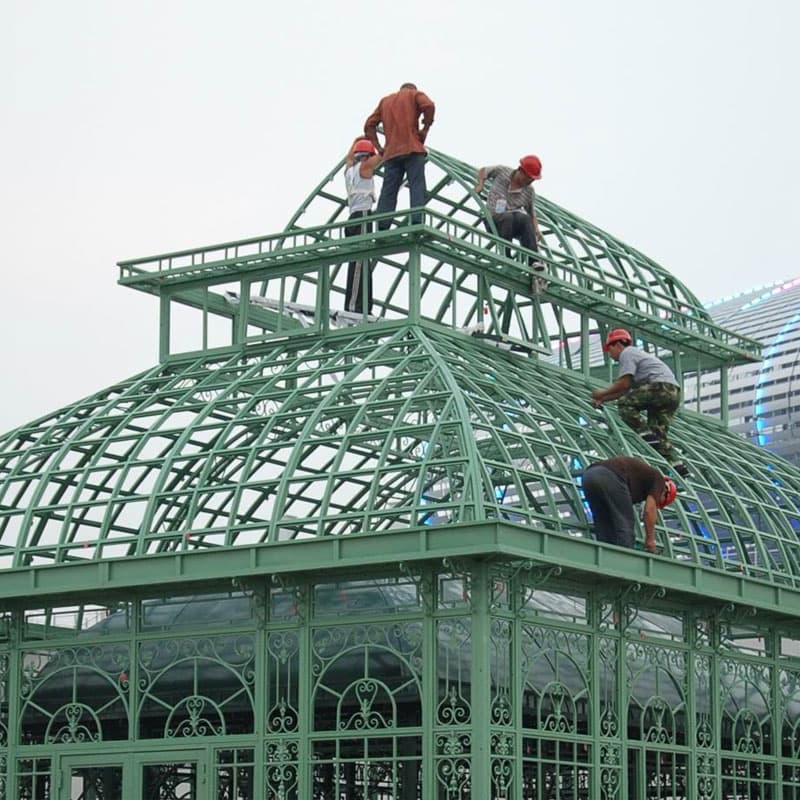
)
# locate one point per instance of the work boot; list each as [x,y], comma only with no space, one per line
[681,469]
[540,286]
[539,283]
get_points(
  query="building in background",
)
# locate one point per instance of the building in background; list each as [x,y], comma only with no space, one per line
[764,398]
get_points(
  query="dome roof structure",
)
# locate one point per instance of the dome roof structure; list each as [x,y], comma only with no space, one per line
[442,413]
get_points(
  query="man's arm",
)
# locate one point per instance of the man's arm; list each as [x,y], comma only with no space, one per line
[368,166]
[371,128]
[351,153]
[620,387]
[481,180]
[649,517]
[536,230]
[426,107]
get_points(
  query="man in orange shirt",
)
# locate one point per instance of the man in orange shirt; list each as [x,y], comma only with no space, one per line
[404,150]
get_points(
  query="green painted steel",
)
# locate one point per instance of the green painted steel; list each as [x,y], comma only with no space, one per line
[467,278]
[463,680]
[377,428]
[317,554]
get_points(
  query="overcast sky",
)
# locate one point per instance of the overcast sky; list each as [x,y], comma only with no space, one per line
[137,128]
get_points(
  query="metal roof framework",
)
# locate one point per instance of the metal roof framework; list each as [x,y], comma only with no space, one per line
[439,410]
[298,460]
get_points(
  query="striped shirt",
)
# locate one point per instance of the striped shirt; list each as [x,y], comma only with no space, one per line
[502,198]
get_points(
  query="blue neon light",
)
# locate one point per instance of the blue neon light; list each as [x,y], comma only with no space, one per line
[758,403]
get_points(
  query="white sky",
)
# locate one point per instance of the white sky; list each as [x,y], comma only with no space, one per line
[129,129]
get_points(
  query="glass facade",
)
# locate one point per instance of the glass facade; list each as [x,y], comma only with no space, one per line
[764,398]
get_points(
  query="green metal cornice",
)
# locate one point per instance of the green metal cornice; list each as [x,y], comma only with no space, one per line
[585,561]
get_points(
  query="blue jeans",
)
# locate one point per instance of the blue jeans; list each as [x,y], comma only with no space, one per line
[612,508]
[411,166]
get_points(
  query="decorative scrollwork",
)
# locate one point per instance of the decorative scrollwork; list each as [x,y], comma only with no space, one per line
[502,770]
[368,694]
[81,725]
[453,709]
[705,733]
[610,783]
[281,769]
[194,670]
[201,717]
[658,723]
[609,723]
[93,677]
[557,709]
[453,744]
[748,735]
[454,777]
[502,710]
[542,574]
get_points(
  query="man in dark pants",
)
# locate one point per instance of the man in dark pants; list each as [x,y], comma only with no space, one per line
[404,150]
[613,486]
[360,165]
[511,202]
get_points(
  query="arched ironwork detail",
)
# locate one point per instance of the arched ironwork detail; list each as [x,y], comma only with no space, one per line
[78,723]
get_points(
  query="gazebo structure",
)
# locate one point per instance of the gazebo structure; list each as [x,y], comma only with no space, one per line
[313,554]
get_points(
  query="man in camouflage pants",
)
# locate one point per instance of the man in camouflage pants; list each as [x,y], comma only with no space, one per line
[645,384]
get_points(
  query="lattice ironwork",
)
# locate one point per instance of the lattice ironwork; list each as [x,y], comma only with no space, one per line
[572,694]
[335,429]
[378,431]
[268,475]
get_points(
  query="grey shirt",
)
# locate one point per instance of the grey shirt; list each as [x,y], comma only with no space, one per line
[501,198]
[644,368]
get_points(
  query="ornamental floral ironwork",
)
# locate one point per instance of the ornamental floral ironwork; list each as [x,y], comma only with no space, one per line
[196,687]
[93,679]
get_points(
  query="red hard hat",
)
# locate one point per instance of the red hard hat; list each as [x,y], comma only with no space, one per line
[364,146]
[531,166]
[672,493]
[618,335]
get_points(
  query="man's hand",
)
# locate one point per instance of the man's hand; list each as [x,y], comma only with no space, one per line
[479,187]
[597,397]
[650,545]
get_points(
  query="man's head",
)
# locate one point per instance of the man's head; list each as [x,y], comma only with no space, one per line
[669,494]
[409,86]
[531,168]
[363,148]
[616,342]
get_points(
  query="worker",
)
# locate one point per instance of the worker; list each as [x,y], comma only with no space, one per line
[511,202]
[613,486]
[404,150]
[360,165]
[645,384]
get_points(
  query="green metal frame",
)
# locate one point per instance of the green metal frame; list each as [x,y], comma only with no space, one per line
[282,446]
[374,428]
[443,680]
